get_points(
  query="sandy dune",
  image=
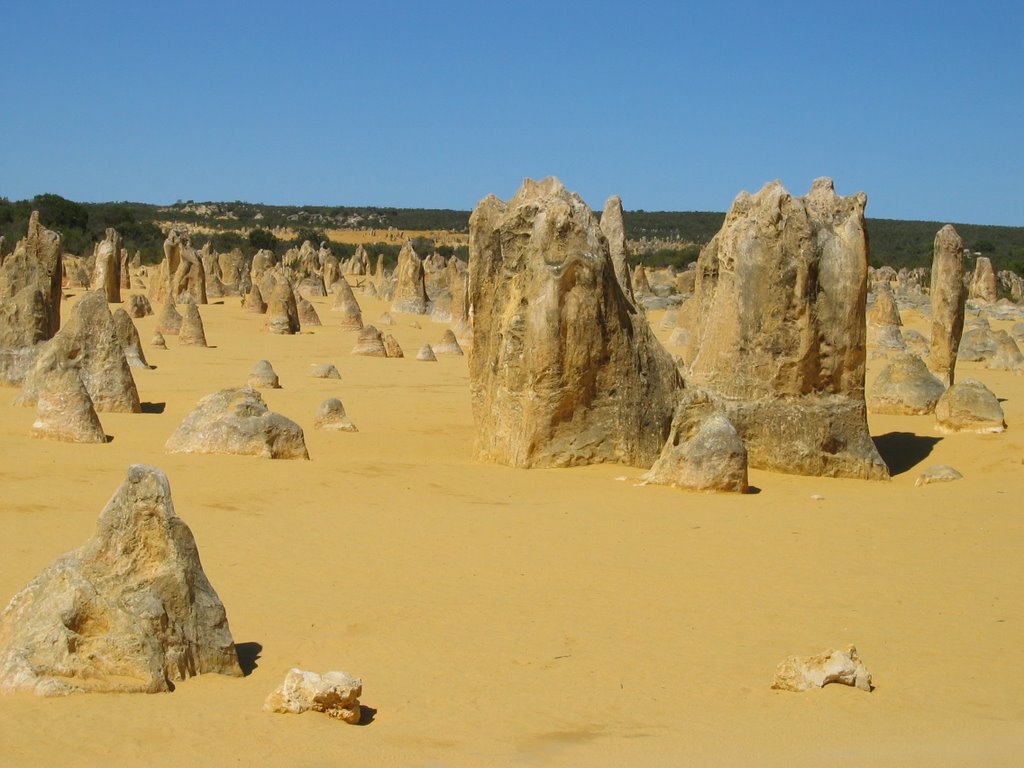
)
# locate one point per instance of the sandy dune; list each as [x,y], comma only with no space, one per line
[546,617]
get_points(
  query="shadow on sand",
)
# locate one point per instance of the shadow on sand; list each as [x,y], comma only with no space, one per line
[153,407]
[903,451]
[248,653]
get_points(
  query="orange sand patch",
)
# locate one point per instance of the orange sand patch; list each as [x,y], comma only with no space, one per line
[545,617]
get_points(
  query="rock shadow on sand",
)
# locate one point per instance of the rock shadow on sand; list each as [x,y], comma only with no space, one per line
[902,451]
[153,407]
[248,655]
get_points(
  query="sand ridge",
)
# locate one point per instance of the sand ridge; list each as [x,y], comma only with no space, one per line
[540,617]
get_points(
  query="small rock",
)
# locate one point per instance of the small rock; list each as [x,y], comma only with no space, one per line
[426,353]
[336,694]
[263,375]
[331,416]
[801,673]
[326,371]
[940,473]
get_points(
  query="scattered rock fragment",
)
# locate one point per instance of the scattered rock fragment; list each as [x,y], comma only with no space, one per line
[331,416]
[392,347]
[326,371]
[802,673]
[426,353]
[263,376]
[336,694]
[448,345]
[940,473]
[158,340]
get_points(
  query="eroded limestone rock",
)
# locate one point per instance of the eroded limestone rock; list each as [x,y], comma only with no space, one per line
[613,227]
[331,416]
[64,410]
[969,406]
[905,386]
[940,473]
[448,345]
[326,371]
[802,673]
[370,343]
[131,610]
[392,347]
[336,694]
[947,303]
[426,353]
[131,344]
[264,376]
[984,284]
[410,284]
[192,333]
[138,306]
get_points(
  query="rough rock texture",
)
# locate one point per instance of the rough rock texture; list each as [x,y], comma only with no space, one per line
[947,303]
[192,333]
[385,319]
[370,343]
[282,311]
[308,316]
[331,416]
[128,335]
[181,276]
[30,294]
[969,406]
[426,353]
[64,410]
[703,452]
[448,345]
[263,375]
[780,330]
[106,271]
[984,284]
[237,421]
[905,386]
[131,610]
[940,473]
[345,304]
[89,341]
[458,287]
[613,227]
[138,306]
[336,694]
[1007,355]
[802,673]
[254,302]
[641,284]
[392,347]
[563,370]
[410,285]
[884,321]
[169,320]
[326,371]
[158,340]
[977,344]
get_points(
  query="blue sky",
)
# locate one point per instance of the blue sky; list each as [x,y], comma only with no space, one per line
[673,106]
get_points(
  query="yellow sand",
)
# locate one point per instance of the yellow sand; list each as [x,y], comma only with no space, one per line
[546,617]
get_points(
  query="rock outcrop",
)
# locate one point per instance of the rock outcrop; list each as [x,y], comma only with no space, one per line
[448,345]
[64,410]
[969,406]
[192,333]
[308,317]
[613,227]
[326,371]
[984,284]
[345,304]
[802,673]
[947,300]
[264,376]
[336,694]
[563,370]
[106,271]
[780,330]
[940,473]
[169,320]
[331,416]
[138,306]
[884,321]
[905,386]
[410,285]
[1007,355]
[131,610]
[370,343]
[426,354]
[90,342]
[237,421]
[254,303]
[282,311]
[128,335]
[392,347]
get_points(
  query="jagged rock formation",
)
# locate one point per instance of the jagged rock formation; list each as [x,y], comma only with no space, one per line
[128,335]
[704,452]
[563,371]
[138,306]
[613,227]
[106,271]
[426,354]
[326,371]
[181,276]
[351,316]
[370,343]
[331,416]
[89,340]
[282,312]
[254,302]
[336,694]
[263,376]
[237,421]
[780,330]
[984,284]
[131,610]
[30,294]
[169,320]
[410,285]
[802,673]
[192,333]
[947,303]
[641,284]
[64,410]
[392,347]
[905,386]
[969,406]
[308,316]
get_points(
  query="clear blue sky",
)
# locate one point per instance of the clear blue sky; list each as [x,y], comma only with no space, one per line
[672,105]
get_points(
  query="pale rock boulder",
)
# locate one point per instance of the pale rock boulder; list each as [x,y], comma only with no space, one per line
[704,452]
[158,340]
[128,335]
[613,227]
[969,406]
[905,386]
[916,342]
[131,610]
[336,694]
[940,473]
[803,673]
[237,421]
[106,271]
[392,347]
[448,345]
[308,316]
[947,303]
[345,304]
[64,410]
[426,354]
[563,370]
[264,376]
[192,333]
[977,344]
[282,311]
[1007,355]
[138,306]
[169,320]
[984,284]
[326,371]
[780,330]
[370,343]
[90,341]
[410,283]
[331,416]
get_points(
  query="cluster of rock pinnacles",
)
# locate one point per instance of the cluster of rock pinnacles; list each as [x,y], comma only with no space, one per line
[564,370]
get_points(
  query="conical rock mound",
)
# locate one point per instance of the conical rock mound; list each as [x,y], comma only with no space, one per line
[192,332]
[64,410]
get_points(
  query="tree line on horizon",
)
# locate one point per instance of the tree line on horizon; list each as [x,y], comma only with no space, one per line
[665,237]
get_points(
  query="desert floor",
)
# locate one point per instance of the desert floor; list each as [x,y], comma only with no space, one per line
[544,617]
